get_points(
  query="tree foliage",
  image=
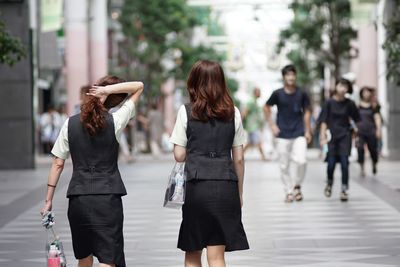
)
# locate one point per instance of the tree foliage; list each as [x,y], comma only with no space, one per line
[159,39]
[319,35]
[11,48]
[392,45]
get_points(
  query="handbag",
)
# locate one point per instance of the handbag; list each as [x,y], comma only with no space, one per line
[176,187]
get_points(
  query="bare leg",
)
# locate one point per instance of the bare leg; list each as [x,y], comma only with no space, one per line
[216,256]
[106,265]
[193,259]
[86,262]
[246,147]
[260,148]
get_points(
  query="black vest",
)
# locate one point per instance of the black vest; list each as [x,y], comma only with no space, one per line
[209,149]
[95,160]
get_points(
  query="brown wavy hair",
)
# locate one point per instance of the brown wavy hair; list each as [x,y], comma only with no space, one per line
[209,93]
[93,112]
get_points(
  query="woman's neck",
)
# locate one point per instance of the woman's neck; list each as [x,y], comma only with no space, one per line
[338,97]
[289,89]
[365,104]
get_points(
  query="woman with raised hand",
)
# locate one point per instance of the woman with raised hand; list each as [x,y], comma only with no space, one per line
[209,136]
[95,211]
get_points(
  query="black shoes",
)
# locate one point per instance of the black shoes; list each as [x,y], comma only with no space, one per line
[374,170]
[328,190]
[344,196]
[298,196]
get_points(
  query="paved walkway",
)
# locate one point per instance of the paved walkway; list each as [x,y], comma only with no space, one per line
[316,232]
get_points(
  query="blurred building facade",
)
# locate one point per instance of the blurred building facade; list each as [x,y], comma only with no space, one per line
[66,44]
[16,93]
[82,44]
[369,67]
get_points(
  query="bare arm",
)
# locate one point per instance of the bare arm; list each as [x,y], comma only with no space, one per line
[55,171]
[134,88]
[274,128]
[378,123]
[180,153]
[238,161]
[307,125]
[322,136]
[244,113]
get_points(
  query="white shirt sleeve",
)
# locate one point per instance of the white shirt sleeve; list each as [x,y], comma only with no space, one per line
[61,146]
[240,137]
[178,136]
[122,117]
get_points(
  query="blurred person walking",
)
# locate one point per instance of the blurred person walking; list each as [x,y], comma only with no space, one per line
[369,129]
[253,123]
[95,211]
[155,121]
[292,131]
[208,135]
[336,116]
[48,128]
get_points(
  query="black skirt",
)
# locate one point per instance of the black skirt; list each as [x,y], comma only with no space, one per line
[96,223]
[212,216]
[340,146]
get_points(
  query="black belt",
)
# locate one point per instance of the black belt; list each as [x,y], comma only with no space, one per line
[212,154]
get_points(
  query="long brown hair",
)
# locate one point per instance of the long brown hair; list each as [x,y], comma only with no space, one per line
[208,92]
[93,111]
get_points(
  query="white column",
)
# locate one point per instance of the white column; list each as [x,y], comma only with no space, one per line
[76,46]
[98,39]
[167,88]
[382,81]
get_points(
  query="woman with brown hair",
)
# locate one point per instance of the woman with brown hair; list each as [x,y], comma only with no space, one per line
[209,136]
[91,137]
[369,128]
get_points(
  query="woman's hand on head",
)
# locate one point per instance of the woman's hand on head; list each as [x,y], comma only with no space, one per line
[99,91]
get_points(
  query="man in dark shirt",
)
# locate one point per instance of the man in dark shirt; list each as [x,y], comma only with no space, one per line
[292,130]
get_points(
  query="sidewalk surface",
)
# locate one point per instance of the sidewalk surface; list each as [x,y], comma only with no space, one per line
[316,232]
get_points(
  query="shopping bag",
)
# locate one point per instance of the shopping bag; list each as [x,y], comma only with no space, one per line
[55,255]
[175,192]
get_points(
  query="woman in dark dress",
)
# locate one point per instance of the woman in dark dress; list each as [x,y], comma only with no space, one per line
[95,210]
[369,129]
[337,116]
[209,136]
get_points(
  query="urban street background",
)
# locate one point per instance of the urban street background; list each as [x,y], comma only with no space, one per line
[51,49]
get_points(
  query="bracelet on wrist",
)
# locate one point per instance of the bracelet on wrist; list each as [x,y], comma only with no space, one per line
[50,185]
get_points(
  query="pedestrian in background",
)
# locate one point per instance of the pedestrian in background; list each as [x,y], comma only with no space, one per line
[209,136]
[48,128]
[253,123]
[369,129]
[155,120]
[336,116]
[95,210]
[292,129]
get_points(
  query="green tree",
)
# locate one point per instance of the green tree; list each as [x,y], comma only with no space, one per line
[320,34]
[392,44]
[11,48]
[153,29]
